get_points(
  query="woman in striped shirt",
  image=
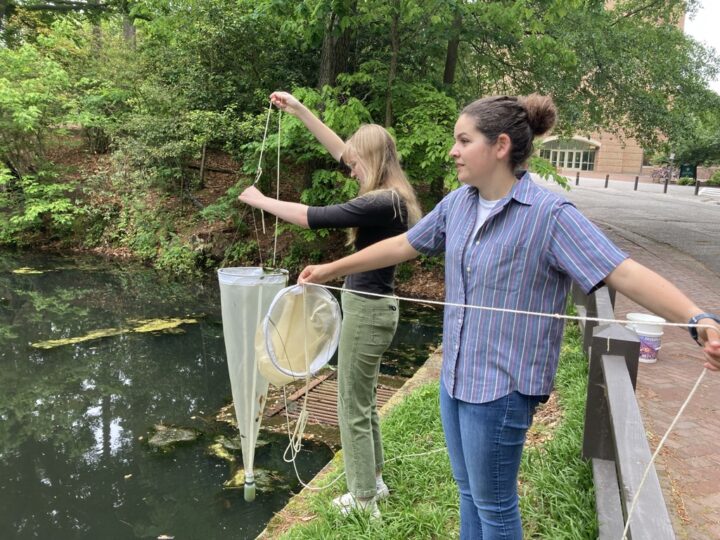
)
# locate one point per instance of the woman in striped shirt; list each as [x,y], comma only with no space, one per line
[515,247]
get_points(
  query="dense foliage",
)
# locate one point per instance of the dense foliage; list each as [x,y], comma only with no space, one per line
[150,86]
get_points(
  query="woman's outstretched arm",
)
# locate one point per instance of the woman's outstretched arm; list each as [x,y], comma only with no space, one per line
[388,252]
[291,212]
[658,295]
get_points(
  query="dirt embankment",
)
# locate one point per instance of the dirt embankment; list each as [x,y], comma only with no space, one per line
[212,238]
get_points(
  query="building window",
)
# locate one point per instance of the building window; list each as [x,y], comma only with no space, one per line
[570,154]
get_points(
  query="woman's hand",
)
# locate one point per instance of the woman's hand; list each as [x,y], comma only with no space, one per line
[286,102]
[252,196]
[711,340]
[319,273]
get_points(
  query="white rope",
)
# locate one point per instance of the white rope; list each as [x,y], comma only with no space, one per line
[657,451]
[258,172]
[295,439]
[513,311]
[258,175]
[555,316]
[277,183]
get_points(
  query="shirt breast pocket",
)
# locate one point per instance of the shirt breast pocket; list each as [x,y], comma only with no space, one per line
[502,267]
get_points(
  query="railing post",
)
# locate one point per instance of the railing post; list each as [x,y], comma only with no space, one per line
[667,181]
[697,186]
[637,179]
[615,340]
[607,179]
[612,292]
[577,179]
[586,307]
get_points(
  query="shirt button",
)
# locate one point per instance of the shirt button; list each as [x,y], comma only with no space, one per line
[468,269]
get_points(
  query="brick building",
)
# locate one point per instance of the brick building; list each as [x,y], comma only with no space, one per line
[600,153]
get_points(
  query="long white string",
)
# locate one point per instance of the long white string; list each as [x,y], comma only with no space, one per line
[258,175]
[657,451]
[258,172]
[555,316]
[513,311]
[295,440]
[277,183]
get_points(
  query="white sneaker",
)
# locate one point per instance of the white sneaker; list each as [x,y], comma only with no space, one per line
[383,492]
[349,503]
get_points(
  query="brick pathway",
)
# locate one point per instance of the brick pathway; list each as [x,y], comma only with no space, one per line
[689,464]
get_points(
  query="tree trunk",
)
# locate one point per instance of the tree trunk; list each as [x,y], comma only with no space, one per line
[96,39]
[202,166]
[452,50]
[335,50]
[4,5]
[129,31]
[395,51]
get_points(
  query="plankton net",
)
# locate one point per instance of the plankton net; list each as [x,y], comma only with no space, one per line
[245,296]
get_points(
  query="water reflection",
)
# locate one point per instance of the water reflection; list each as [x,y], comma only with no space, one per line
[74,420]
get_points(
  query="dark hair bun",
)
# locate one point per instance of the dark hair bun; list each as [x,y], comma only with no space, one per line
[541,112]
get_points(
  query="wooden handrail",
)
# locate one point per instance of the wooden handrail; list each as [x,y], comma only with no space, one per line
[614,437]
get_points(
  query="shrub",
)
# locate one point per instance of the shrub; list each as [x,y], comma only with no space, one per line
[177,257]
[715,179]
[35,204]
[686,181]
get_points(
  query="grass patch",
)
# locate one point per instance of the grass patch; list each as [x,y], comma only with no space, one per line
[423,501]
[557,495]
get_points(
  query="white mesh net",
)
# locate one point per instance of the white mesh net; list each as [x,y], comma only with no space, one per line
[299,334]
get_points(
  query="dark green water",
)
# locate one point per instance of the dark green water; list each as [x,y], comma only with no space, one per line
[74,420]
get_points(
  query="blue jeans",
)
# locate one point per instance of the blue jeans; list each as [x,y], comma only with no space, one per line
[485,443]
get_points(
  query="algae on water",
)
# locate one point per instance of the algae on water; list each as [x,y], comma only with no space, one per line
[141,326]
[27,270]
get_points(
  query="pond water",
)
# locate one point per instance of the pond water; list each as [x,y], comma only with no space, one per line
[75,418]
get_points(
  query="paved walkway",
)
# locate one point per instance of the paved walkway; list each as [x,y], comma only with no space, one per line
[689,464]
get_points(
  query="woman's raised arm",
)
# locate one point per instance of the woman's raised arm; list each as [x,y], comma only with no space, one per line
[327,137]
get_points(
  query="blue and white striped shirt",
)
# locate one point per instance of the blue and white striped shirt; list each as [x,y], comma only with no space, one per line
[524,257]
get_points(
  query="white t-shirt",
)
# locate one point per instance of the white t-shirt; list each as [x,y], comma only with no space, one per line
[484,209]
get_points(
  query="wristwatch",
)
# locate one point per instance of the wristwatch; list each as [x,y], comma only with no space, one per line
[694,320]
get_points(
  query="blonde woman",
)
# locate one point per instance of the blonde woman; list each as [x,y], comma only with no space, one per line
[385,207]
